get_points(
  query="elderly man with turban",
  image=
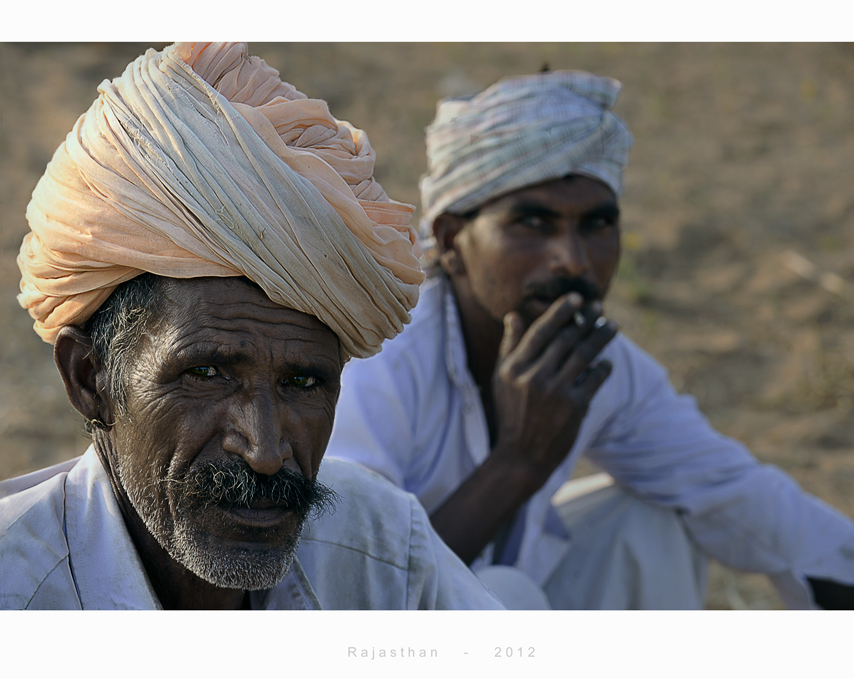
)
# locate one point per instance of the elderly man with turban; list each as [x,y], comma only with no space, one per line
[207,249]
[509,373]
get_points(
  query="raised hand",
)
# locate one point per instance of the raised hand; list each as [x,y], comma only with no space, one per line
[542,386]
[544,381]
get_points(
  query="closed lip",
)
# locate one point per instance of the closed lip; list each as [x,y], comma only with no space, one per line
[264,515]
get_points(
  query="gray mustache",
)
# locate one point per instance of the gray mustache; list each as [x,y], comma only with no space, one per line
[234,483]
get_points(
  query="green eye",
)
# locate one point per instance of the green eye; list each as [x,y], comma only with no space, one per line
[302,381]
[203,371]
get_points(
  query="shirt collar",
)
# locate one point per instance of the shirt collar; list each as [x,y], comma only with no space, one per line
[455,345]
[107,569]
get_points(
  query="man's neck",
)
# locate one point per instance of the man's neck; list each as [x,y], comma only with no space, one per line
[176,587]
[482,335]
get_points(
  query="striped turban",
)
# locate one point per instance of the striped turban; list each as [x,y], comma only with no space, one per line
[200,161]
[520,132]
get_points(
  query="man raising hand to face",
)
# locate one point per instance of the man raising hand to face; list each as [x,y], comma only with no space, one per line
[528,272]
[509,373]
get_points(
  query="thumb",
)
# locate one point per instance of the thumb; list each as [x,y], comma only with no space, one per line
[513,331]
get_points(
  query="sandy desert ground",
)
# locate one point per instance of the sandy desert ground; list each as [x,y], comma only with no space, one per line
[738,223]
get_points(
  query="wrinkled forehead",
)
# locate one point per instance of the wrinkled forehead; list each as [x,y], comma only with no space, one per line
[218,308]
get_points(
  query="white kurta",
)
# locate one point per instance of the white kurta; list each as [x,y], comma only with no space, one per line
[64,545]
[413,414]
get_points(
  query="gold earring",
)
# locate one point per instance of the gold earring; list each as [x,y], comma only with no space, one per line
[99,424]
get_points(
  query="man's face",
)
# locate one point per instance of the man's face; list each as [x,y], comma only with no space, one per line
[226,390]
[527,248]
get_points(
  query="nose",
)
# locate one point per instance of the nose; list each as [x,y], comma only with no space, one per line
[256,432]
[568,254]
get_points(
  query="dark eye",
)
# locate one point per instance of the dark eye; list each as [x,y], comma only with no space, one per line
[533,222]
[203,371]
[301,381]
[594,224]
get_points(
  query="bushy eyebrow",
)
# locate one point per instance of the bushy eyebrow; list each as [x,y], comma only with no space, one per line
[205,354]
[524,208]
[609,209]
[530,208]
[202,354]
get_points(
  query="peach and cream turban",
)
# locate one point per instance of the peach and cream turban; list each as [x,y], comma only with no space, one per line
[519,132]
[200,161]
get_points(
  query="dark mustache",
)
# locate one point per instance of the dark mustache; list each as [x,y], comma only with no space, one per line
[234,483]
[556,287]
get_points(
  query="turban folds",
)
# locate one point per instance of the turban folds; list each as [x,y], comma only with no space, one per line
[200,161]
[520,132]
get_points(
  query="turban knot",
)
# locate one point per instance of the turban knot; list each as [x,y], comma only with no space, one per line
[520,132]
[200,161]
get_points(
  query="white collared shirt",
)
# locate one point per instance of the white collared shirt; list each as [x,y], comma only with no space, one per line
[64,545]
[413,413]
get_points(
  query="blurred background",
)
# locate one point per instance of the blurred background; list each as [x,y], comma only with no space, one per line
[738,222]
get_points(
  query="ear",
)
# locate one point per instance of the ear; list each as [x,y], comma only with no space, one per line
[81,373]
[446,228]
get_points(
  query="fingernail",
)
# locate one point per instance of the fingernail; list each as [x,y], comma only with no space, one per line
[578,318]
[575,299]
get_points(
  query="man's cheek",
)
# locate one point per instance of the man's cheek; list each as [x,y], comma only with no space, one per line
[311,436]
[172,412]
[150,402]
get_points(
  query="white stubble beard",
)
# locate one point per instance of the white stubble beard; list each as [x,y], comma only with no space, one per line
[240,568]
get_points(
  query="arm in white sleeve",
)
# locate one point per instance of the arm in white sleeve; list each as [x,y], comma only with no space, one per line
[748,515]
